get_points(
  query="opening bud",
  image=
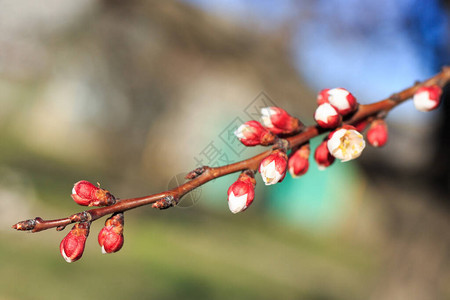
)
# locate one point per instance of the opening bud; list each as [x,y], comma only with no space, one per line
[87,194]
[322,156]
[377,135]
[242,192]
[346,143]
[72,246]
[327,116]
[427,98]
[273,167]
[341,99]
[252,133]
[278,121]
[298,162]
[110,237]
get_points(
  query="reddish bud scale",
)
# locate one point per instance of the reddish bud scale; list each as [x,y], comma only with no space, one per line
[273,167]
[377,135]
[278,121]
[322,156]
[298,162]
[72,246]
[87,194]
[110,237]
[252,133]
[241,193]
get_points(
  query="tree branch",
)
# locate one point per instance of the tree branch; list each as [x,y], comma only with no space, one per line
[202,175]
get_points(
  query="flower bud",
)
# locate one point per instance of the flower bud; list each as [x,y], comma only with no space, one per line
[278,121]
[327,116]
[341,99]
[252,133]
[427,98]
[87,194]
[298,162]
[273,167]
[346,143]
[72,246]
[242,192]
[322,156]
[111,236]
[377,135]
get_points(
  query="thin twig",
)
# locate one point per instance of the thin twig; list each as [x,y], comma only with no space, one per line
[205,174]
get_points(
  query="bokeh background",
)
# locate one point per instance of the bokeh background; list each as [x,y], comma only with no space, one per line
[133,94]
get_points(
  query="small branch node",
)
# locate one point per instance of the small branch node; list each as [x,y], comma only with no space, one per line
[166,202]
[197,172]
[282,144]
[396,97]
[83,216]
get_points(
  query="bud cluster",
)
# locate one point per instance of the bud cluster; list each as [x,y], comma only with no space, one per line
[344,142]
[333,105]
[110,237]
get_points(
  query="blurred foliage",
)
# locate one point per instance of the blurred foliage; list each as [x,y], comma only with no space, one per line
[129,93]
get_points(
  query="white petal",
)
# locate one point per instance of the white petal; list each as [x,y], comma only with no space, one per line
[237,203]
[73,191]
[266,112]
[346,146]
[423,102]
[270,174]
[324,111]
[103,250]
[240,131]
[66,258]
[335,140]
[338,97]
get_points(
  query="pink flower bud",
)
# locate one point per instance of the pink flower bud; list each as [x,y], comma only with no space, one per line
[298,162]
[427,98]
[111,236]
[252,133]
[341,99]
[322,156]
[241,193]
[72,246]
[377,135]
[85,193]
[327,116]
[322,97]
[278,121]
[273,167]
[346,143]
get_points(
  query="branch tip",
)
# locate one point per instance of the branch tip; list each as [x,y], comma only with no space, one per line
[27,224]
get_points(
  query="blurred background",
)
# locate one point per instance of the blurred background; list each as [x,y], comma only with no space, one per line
[133,94]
